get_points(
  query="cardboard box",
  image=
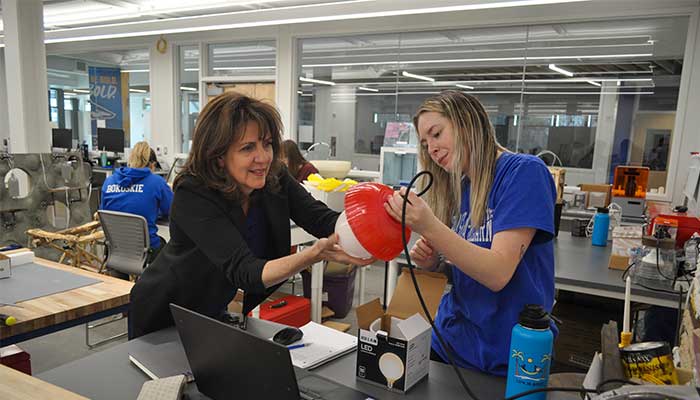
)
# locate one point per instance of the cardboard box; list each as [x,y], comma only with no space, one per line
[393,348]
[624,239]
[559,176]
[589,187]
[5,270]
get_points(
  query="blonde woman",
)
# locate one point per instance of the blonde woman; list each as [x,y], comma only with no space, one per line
[136,190]
[489,218]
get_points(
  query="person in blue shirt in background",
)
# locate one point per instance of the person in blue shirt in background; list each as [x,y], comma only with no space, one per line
[489,220]
[137,190]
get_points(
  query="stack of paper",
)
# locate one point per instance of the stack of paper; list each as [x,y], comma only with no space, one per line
[322,345]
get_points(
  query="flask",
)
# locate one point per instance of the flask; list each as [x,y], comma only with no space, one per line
[530,353]
[601,224]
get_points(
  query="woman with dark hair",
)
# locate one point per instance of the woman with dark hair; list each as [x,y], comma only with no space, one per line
[229,224]
[296,163]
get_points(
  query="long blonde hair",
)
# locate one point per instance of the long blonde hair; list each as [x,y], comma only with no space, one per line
[140,155]
[474,144]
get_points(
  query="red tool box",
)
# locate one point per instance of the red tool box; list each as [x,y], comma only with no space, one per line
[16,358]
[288,310]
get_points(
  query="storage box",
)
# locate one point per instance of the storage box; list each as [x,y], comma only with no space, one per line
[596,188]
[289,310]
[393,350]
[5,270]
[559,176]
[624,239]
[16,358]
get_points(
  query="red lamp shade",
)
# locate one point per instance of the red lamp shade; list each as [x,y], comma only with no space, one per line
[365,228]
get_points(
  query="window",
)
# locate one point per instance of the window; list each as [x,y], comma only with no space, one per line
[189,93]
[597,94]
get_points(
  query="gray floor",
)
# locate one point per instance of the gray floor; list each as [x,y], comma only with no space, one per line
[62,347]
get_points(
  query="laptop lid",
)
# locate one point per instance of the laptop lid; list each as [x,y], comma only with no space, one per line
[228,363]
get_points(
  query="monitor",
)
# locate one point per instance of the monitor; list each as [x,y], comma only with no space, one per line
[110,139]
[62,138]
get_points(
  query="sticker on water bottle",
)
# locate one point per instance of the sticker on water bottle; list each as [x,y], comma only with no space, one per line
[531,369]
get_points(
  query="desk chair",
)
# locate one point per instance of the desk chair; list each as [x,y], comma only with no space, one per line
[126,239]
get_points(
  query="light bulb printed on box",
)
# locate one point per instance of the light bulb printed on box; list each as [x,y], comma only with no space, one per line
[391,367]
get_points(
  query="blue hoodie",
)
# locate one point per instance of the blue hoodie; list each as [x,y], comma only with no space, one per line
[138,191]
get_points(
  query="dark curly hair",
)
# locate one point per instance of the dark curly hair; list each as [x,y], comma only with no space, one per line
[222,123]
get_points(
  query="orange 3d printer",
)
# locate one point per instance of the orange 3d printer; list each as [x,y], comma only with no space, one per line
[630,190]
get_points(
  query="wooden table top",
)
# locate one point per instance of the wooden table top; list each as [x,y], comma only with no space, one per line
[54,309]
[15,385]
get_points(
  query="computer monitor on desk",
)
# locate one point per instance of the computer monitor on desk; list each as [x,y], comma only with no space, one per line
[109,139]
[62,138]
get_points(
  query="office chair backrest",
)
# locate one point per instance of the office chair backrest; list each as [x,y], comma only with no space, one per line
[126,236]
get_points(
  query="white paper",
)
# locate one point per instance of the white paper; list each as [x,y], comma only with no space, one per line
[101,123]
[323,344]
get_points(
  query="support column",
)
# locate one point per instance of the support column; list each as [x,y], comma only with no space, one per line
[164,100]
[605,134]
[287,81]
[4,117]
[25,72]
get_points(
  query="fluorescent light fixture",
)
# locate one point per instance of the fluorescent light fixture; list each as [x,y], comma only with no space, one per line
[138,91]
[135,70]
[464,86]
[300,92]
[243,68]
[188,89]
[489,59]
[81,91]
[515,120]
[319,81]
[594,83]
[553,67]
[368,89]
[284,21]
[415,76]
[191,69]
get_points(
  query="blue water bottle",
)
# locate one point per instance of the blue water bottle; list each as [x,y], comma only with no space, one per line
[601,224]
[530,353]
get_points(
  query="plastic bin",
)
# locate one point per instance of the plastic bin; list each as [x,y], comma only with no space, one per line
[340,289]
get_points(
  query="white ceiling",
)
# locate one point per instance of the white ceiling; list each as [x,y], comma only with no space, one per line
[65,14]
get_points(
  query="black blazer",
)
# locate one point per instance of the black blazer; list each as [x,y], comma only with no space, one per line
[207,260]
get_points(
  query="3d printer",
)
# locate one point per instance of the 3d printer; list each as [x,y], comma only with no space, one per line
[629,190]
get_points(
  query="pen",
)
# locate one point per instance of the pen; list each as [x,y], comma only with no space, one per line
[297,346]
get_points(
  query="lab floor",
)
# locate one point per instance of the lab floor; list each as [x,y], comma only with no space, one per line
[51,351]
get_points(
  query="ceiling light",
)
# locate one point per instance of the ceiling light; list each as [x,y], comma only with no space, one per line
[138,91]
[243,68]
[274,22]
[560,70]
[368,89]
[320,82]
[300,92]
[187,88]
[135,70]
[464,86]
[489,59]
[594,83]
[81,91]
[191,69]
[415,76]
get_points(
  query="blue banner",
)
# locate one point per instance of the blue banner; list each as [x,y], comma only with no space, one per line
[105,99]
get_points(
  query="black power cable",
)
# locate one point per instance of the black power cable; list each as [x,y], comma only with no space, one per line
[445,345]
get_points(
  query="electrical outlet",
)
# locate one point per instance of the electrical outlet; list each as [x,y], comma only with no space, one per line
[158,152]
[165,150]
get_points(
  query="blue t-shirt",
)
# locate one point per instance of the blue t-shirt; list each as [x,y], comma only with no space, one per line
[138,191]
[475,321]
